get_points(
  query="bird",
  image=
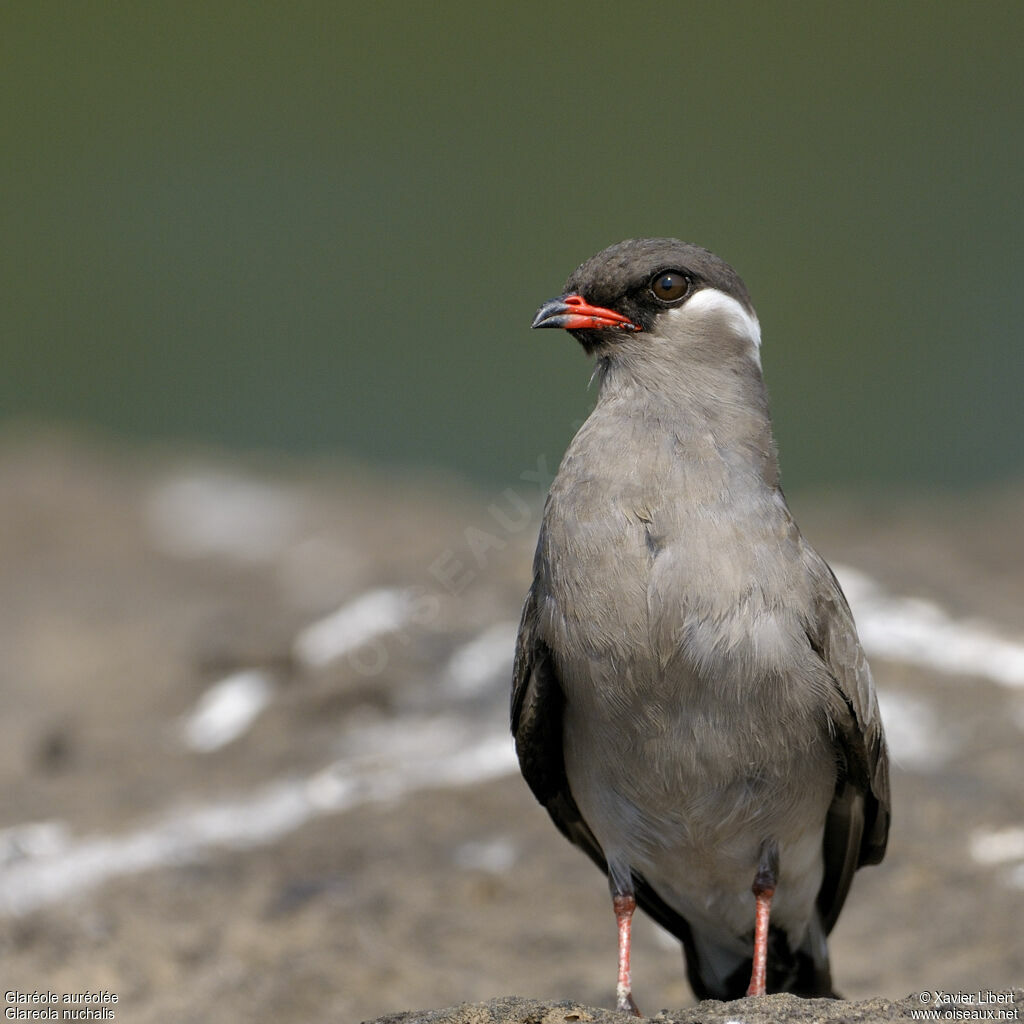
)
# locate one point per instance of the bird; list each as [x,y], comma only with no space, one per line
[690,700]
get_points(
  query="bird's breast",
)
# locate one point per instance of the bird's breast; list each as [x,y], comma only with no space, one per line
[692,694]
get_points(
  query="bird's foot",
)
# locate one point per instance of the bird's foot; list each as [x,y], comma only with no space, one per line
[625,1003]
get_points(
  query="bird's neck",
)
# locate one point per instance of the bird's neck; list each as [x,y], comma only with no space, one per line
[725,406]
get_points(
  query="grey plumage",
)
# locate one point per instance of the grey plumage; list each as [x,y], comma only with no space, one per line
[688,682]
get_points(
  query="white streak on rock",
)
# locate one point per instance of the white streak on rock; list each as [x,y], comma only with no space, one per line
[916,735]
[919,632]
[33,839]
[373,614]
[474,666]
[493,856]
[43,863]
[997,846]
[226,710]
[209,513]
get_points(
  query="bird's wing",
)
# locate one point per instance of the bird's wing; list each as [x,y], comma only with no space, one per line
[857,826]
[537,704]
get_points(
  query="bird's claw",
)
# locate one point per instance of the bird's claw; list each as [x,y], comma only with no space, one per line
[626,1004]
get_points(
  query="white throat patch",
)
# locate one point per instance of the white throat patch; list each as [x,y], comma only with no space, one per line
[711,309]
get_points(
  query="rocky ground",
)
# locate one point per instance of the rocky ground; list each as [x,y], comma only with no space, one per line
[764,1010]
[254,759]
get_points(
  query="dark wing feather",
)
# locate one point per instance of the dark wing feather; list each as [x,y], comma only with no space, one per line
[537,704]
[857,826]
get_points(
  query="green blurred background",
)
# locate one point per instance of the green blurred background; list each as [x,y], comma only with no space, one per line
[325,227]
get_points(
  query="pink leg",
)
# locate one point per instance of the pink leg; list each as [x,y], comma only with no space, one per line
[624,907]
[759,973]
[763,890]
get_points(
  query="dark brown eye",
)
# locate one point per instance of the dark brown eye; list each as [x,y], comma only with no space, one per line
[669,285]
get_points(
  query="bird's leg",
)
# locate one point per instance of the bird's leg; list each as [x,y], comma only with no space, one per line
[624,904]
[763,889]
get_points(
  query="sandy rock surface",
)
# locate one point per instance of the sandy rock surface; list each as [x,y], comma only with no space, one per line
[254,760]
[766,1010]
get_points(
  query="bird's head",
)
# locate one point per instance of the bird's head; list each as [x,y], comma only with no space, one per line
[657,300]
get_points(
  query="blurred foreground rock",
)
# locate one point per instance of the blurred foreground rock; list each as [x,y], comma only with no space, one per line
[254,760]
[766,1010]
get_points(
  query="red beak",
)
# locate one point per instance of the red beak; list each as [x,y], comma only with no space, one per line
[574,313]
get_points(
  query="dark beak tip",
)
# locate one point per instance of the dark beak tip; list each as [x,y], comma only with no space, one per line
[550,321]
[551,314]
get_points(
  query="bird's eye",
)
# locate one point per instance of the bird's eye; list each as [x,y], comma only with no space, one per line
[670,285]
